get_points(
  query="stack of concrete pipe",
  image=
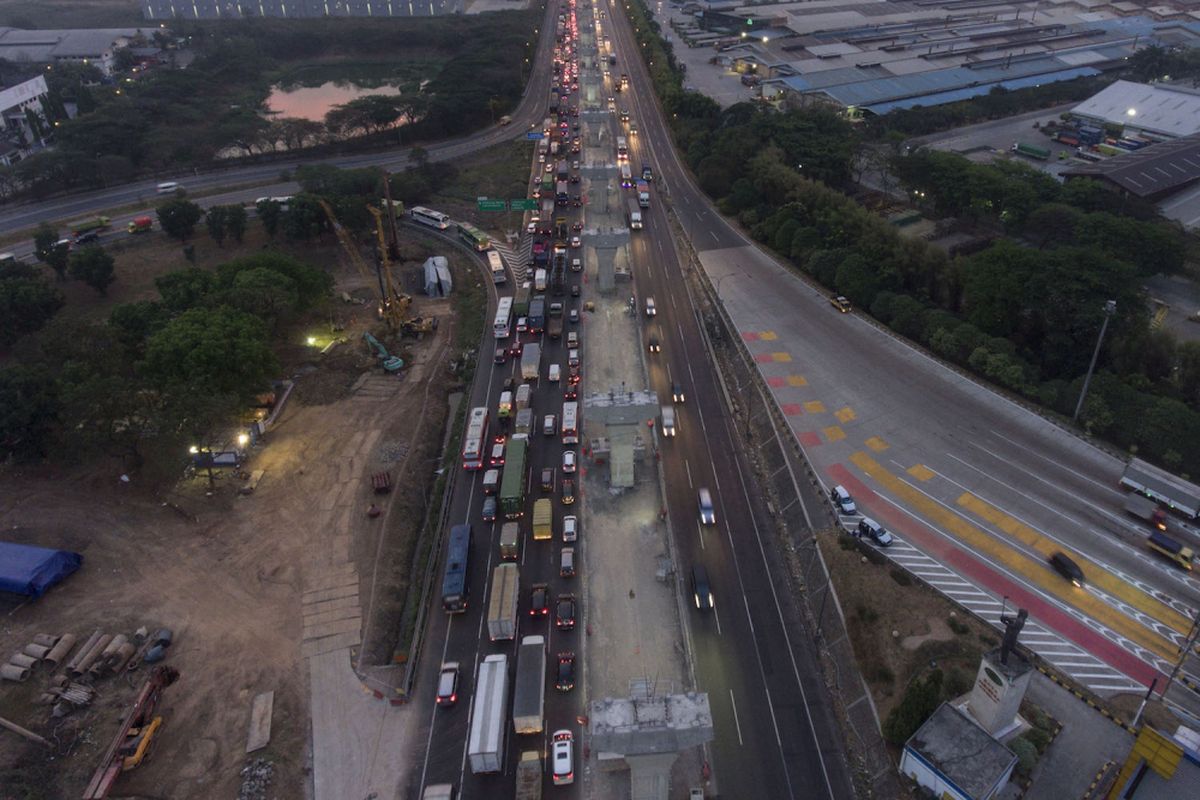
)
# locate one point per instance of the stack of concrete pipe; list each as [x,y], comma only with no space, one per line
[43,646]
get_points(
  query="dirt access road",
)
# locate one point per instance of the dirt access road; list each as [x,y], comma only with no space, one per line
[232,576]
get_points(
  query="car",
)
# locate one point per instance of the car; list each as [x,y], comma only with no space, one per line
[565,680]
[577,226]
[576,265]
[572,339]
[702,594]
[501,355]
[563,757]
[522,324]
[840,303]
[576,242]
[532,227]
[548,479]
[576,200]
[515,348]
[574,179]
[555,372]
[575,164]
[447,691]
[489,509]
[570,528]
[491,481]
[624,115]
[575,293]
[549,167]
[572,358]
[568,461]
[568,491]
[497,457]
[575,150]
[842,500]
[875,532]
[677,393]
[708,513]
[573,315]
[510,384]
[572,393]
[1065,566]
[87,237]
[633,129]
[564,612]
[573,376]
[539,600]
[549,425]
[654,345]
[651,309]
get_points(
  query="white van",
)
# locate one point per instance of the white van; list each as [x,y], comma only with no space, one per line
[668,421]
[167,188]
[555,373]
[491,481]
[566,568]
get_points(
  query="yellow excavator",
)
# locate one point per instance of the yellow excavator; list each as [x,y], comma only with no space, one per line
[413,326]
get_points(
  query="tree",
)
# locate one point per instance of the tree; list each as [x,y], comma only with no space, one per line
[215,221]
[269,213]
[185,288]
[919,702]
[235,222]
[297,133]
[94,267]
[265,293]
[28,411]
[178,218]
[305,219]
[49,251]
[27,302]
[310,283]
[219,351]
[133,323]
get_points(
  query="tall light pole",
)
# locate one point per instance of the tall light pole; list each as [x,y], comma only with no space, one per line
[1110,308]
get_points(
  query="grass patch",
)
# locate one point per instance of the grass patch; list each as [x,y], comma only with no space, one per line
[958,626]
[901,577]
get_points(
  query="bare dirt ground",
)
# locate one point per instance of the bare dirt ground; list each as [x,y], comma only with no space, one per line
[225,573]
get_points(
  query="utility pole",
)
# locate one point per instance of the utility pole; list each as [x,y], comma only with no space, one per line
[1110,308]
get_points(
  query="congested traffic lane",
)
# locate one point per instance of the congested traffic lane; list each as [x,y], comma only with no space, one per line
[776,731]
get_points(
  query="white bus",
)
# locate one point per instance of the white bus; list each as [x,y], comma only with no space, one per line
[622,149]
[626,176]
[570,423]
[475,439]
[539,280]
[497,267]
[434,219]
[502,327]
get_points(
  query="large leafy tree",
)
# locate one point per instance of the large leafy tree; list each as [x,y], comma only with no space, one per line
[178,218]
[27,301]
[29,408]
[95,267]
[216,350]
[185,288]
[49,251]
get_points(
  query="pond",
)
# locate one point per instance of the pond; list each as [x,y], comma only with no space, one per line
[313,102]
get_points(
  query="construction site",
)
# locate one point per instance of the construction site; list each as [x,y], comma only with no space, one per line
[177,659]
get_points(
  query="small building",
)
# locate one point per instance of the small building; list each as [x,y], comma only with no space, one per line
[23,123]
[87,46]
[1159,110]
[954,758]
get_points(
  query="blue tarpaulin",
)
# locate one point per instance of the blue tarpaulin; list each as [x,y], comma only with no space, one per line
[29,570]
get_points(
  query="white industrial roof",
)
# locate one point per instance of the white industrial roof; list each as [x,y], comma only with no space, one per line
[1167,110]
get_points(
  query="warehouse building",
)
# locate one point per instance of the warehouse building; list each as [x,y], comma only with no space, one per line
[297,9]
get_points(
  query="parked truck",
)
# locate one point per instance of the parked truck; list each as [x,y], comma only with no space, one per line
[140,225]
[531,361]
[1147,509]
[486,745]
[529,696]
[643,194]
[94,224]
[502,605]
[635,215]
[1171,491]
[1030,150]
[529,776]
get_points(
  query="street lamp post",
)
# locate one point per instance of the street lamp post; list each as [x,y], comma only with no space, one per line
[1110,308]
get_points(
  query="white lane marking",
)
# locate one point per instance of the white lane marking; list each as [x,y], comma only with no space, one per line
[688,467]
[737,724]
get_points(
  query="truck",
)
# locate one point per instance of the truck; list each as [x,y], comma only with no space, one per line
[512,483]
[555,328]
[529,694]
[1164,545]
[529,776]
[536,318]
[1145,508]
[562,171]
[540,279]
[140,225]
[438,791]
[643,194]
[635,215]
[510,541]
[1030,150]
[531,361]
[1161,486]
[543,520]
[524,423]
[502,605]
[562,193]
[524,393]
[87,225]
[521,299]
[486,741]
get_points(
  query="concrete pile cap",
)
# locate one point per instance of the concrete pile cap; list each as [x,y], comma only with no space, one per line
[676,711]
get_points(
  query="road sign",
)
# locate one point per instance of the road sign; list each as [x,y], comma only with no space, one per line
[523,204]
[483,204]
[534,135]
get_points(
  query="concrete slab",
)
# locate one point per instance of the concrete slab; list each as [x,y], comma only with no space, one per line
[329,594]
[332,628]
[260,721]
[332,615]
[330,644]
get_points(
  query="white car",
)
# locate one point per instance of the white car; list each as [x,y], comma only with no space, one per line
[570,529]
[555,373]
[651,309]
[576,241]
[564,757]
[708,514]
[568,464]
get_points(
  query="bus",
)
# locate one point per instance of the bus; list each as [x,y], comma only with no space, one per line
[473,236]
[570,423]
[543,150]
[547,127]
[502,326]
[434,219]
[496,265]
[475,439]
[622,149]
[626,176]
[512,482]
[454,584]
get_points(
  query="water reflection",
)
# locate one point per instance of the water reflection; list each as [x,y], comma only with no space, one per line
[314,102]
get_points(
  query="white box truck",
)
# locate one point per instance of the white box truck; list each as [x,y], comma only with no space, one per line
[502,605]
[531,361]
[529,697]
[486,750]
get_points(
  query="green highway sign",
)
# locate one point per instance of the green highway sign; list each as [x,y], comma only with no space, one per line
[523,204]
[484,204]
